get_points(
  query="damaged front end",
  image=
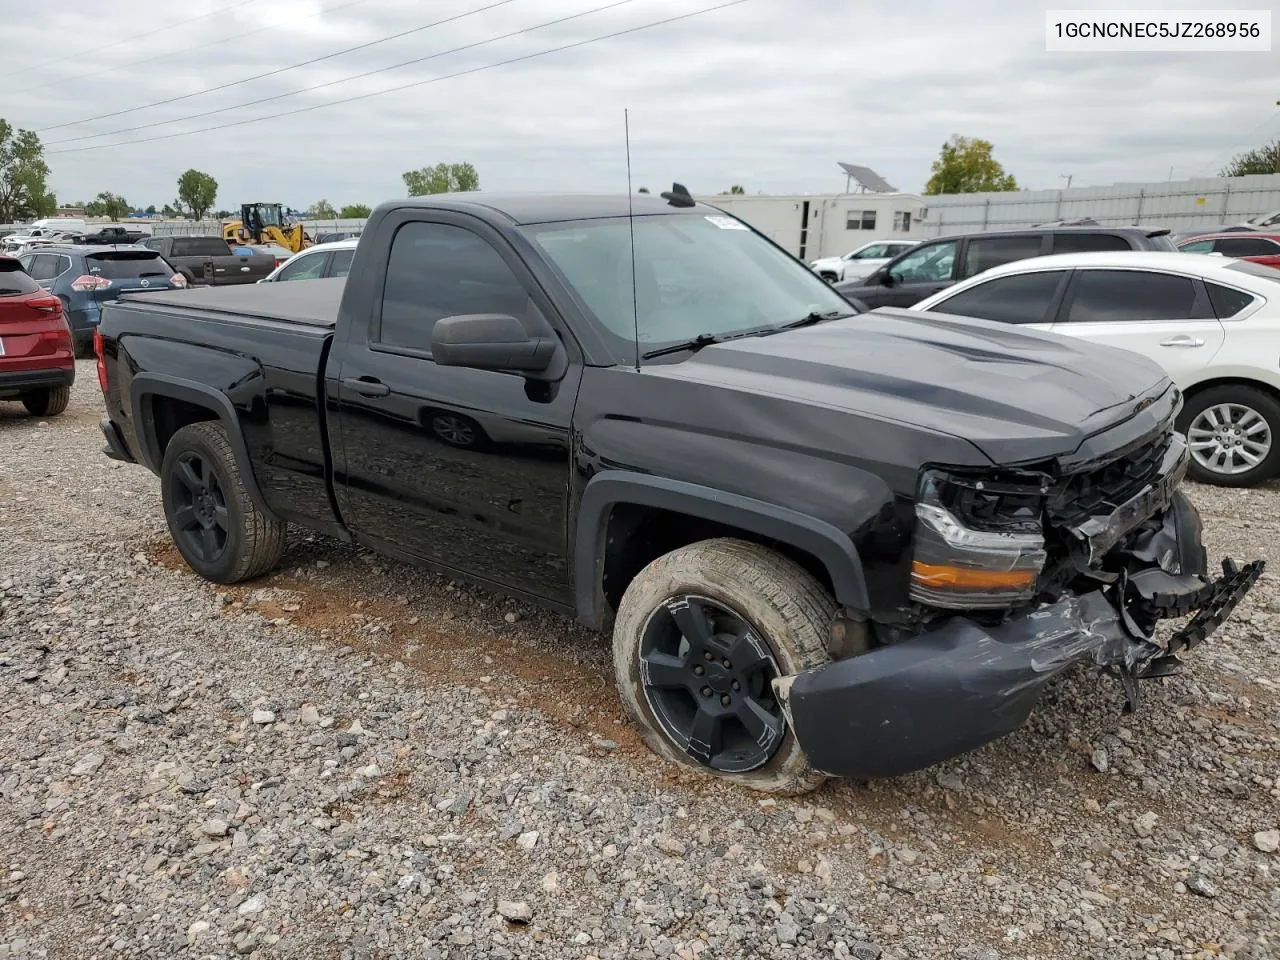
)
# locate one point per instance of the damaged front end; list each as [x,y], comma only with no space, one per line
[1016,577]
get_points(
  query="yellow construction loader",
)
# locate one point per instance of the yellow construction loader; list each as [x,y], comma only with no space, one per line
[264,223]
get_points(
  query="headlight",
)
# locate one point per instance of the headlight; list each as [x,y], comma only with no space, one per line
[978,543]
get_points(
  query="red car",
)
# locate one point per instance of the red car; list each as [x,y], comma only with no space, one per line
[37,357]
[1263,248]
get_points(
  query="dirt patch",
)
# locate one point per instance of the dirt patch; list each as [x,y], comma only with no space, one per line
[574,694]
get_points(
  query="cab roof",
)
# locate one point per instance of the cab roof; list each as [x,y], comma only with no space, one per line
[530,208]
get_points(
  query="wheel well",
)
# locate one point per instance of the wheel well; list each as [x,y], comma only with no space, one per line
[636,535]
[1204,385]
[169,415]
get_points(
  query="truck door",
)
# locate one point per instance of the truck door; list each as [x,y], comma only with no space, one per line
[467,469]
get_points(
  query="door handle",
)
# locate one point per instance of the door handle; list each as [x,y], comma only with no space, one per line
[1182,341]
[366,387]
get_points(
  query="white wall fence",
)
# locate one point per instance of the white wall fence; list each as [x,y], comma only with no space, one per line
[213,228]
[1179,205]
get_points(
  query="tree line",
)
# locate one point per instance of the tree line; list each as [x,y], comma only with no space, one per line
[964,165]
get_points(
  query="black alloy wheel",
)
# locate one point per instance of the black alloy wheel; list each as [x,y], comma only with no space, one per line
[201,519]
[707,676]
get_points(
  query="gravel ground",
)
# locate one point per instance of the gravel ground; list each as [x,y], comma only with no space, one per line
[354,759]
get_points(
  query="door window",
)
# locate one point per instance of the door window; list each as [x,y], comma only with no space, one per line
[1088,242]
[1246,247]
[436,270]
[1200,246]
[340,265]
[1025,298]
[928,263]
[310,267]
[874,252]
[983,253]
[1126,295]
[43,266]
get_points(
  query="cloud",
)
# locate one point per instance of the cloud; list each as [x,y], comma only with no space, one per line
[768,93]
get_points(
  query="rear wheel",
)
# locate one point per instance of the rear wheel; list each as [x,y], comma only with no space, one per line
[212,518]
[1232,432]
[700,635]
[48,402]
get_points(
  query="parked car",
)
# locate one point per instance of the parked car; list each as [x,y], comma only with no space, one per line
[314,263]
[827,544]
[37,356]
[278,253]
[83,278]
[112,234]
[1263,248]
[1211,322]
[335,236]
[860,261]
[211,261]
[936,264]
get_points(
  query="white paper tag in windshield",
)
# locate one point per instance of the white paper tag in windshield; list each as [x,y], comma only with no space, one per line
[727,223]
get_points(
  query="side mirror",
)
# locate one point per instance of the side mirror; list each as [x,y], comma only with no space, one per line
[490,341]
[886,279]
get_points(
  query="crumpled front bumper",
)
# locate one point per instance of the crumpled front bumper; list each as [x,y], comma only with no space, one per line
[958,685]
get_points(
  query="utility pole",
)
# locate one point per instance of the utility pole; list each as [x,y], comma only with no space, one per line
[1068,177]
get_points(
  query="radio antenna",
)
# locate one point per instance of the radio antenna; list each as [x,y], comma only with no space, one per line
[631,225]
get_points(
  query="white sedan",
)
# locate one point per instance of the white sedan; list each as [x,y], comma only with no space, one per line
[1213,323]
[861,261]
[315,262]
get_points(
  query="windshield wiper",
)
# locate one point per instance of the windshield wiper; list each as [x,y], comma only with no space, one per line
[694,343]
[812,318]
[706,339]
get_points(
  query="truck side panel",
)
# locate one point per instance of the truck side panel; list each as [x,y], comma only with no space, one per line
[158,383]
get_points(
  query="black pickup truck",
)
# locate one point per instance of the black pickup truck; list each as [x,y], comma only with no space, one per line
[826,543]
[210,261]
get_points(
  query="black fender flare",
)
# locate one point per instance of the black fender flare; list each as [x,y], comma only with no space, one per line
[148,385]
[831,546]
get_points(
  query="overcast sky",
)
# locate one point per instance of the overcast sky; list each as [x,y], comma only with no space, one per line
[768,93]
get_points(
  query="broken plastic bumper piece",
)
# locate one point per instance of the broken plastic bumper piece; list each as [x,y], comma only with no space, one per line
[959,684]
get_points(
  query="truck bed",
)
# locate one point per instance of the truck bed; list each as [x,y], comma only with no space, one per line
[305,302]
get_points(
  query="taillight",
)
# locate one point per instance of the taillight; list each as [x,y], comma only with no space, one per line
[90,282]
[278,262]
[178,280]
[49,305]
[102,360]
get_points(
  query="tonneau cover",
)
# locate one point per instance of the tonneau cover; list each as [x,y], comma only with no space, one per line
[299,301]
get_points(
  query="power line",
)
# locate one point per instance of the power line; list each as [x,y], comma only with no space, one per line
[175,53]
[260,76]
[1248,138]
[416,83]
[358,76]
[134,38]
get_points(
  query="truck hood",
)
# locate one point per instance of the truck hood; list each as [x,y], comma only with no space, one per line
[1018,395]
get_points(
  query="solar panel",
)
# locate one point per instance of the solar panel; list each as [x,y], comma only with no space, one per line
[867,178]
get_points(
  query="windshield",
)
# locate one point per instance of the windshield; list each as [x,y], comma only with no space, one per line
[14,280]
[695,274]
[128,265]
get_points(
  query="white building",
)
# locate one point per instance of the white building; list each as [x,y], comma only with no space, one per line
[827,225]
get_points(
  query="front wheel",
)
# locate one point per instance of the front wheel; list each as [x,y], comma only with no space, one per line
[212,518]
[1232,433]
[700,635]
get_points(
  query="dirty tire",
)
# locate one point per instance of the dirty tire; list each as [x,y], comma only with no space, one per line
[787,607]
[48,402]
[254,540]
